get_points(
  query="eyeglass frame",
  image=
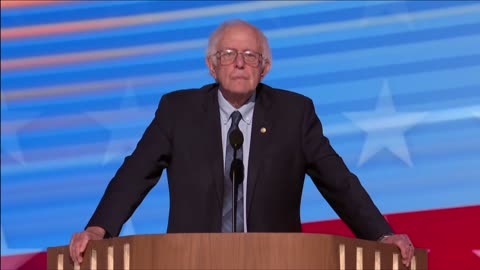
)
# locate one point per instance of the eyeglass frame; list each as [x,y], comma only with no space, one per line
[261,58]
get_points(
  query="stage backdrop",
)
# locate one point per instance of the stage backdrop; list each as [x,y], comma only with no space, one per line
[395,84]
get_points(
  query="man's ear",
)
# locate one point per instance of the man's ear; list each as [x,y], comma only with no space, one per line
[211,67]
[266,69]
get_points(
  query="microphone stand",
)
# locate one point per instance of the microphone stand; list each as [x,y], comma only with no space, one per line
[236,172]
[233,168]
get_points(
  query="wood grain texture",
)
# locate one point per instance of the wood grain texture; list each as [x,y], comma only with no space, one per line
[237,251]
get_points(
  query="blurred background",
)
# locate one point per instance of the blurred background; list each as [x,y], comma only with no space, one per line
[396,85]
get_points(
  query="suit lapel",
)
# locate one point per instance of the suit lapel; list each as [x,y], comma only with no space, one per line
[213,143]
[261,128]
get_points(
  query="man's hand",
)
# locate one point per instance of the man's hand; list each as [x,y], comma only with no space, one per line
[403,242]
[79,241]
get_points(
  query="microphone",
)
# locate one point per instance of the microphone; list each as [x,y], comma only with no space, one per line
[236,171]
[236,139]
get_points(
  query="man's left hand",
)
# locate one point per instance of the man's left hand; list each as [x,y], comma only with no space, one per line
[403,242]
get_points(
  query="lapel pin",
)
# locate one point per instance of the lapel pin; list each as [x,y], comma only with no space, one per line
[263,130]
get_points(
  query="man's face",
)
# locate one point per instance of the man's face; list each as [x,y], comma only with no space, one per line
[238,78]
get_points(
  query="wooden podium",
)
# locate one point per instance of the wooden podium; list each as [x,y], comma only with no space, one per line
[235,251]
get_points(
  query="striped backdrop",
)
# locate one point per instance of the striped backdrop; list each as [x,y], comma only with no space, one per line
[395,84]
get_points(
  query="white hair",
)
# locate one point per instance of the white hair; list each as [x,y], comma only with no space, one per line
[216,35]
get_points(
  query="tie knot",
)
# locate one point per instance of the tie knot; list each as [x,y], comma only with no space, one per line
[236,116]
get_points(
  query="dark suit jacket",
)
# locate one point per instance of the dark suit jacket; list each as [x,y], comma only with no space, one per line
[185,138]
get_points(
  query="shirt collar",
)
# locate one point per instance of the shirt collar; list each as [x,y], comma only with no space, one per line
[226,109]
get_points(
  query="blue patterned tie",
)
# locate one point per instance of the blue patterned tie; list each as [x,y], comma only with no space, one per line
[227,197]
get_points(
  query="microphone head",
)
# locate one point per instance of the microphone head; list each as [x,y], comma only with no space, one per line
[236,138]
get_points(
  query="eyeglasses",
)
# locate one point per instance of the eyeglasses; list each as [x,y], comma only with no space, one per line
[228,56]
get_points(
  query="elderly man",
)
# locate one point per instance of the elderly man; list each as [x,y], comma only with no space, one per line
[283,141]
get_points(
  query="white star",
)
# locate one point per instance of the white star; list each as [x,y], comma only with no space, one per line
[385,128]
[476,252]
[398,11]
[10,144]
[477,114]
[118,146]
[4,104]
[10,128]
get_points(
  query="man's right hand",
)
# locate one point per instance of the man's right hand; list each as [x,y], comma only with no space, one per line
[79,241]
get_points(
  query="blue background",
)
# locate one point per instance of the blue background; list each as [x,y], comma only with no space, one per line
[395,84]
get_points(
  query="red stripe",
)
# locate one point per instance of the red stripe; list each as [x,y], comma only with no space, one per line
[28,261]
[25,3]
[451,234]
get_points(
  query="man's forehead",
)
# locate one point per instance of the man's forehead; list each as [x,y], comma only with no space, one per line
[240,29]
[234,36]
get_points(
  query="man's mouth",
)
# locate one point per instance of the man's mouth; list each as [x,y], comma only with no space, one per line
[239,78]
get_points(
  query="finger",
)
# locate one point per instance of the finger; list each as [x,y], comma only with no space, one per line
[404,252]
[404,249]
[78,255]
[70,247]
[402,244]
[75,248]
[81,248]
[412,253]
[405,259]
[75,251]
[408,258]
[411,250]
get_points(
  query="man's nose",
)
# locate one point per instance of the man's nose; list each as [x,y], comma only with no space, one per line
[239,62]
